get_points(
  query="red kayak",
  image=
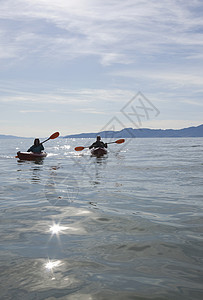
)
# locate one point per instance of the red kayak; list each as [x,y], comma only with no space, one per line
[98,152]
[30,155]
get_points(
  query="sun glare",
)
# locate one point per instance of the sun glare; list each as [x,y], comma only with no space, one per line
[52,264]
[56,229]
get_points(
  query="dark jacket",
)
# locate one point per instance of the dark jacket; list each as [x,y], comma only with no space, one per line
[98,144]
[36,149]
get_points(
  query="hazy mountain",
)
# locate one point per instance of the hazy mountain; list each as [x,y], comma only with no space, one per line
[135,133]
[144,133]
[2,136]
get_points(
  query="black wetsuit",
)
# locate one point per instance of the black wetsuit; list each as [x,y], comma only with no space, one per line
[98,144]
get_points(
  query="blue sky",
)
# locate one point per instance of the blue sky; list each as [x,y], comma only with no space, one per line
[72,65]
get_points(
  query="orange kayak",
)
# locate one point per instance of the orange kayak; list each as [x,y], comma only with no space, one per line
[30,155]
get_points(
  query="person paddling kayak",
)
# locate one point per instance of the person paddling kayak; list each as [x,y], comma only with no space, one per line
[98,143]
[37,147]
[35,152]
[98,147]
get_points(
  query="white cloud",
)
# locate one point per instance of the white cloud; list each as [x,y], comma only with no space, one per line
[92,56]
[65,96]
[90,110]
[116,31]
[31,111]
[193,102]
[173,124]
[176,78]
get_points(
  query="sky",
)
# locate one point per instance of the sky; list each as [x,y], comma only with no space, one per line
[78,66]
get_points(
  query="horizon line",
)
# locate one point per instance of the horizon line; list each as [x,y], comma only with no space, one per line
[29,137]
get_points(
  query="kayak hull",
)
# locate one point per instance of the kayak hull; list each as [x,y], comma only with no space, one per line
[31,155]
[98,152]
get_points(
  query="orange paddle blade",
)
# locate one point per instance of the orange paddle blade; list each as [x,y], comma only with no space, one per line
[120,141]
[54,135]
[79,148]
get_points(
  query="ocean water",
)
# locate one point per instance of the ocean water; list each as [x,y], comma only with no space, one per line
[125,226]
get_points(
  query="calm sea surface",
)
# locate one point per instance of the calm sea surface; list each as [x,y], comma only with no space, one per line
[125,226]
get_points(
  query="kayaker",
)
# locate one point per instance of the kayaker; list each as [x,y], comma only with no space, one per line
[98,143]
[37,147]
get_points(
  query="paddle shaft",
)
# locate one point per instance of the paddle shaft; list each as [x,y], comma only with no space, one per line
[45,141]
[53,136]
[117,142]
[111,142]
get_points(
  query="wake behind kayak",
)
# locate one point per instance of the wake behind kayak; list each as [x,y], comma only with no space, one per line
[98,152]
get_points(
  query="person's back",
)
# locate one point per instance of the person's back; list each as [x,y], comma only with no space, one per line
[37,147]
[98,144]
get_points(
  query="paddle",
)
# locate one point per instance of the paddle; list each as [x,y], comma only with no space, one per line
[117,142]
[52,137]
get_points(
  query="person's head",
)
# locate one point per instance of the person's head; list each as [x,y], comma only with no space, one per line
[98,138]
[36,142]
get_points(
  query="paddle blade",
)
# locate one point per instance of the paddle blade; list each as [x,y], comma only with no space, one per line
[79,148]
[120,141]
[54,136]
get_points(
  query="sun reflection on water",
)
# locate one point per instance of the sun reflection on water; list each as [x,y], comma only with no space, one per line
[57,229]
[50,265]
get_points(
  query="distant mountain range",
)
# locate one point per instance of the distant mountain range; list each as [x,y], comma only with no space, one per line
[135,133]
[144,133]
[2,136]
